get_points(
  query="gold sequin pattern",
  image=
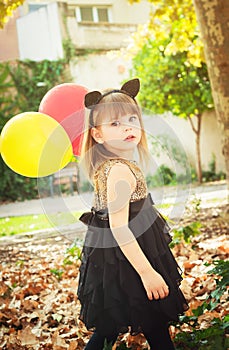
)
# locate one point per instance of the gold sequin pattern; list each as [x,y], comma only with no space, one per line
[100,182]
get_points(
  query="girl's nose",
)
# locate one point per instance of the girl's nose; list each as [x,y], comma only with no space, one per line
[127,127]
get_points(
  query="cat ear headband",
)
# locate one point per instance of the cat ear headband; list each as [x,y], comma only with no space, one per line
[130,88]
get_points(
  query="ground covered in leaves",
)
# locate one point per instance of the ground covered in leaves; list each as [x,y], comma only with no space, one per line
[38,283]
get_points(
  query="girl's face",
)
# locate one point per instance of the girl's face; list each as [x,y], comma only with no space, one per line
[119,136]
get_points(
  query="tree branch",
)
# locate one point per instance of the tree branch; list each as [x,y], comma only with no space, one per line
[192,125]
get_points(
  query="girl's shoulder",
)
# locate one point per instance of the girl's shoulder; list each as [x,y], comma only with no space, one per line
[101,176]
[106,166]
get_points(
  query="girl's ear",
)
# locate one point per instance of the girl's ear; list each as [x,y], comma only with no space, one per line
[91,99]
[132,87]
[95,133]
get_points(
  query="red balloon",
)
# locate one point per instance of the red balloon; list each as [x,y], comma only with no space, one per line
[65,103]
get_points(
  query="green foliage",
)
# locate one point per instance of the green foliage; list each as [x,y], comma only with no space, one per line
[212,164]
[212,337]
[170,83]
[168,175]
[86,187]
[15,187]
[221,269]
[168,145]
[33,79]
[57,273]
[6,10]
[195,203]
[207,339]
[69,50]
[211,174]
[73,253]
[163,176]
[185,233]
[22,86]
[193,175]
[175,19]
[20,263]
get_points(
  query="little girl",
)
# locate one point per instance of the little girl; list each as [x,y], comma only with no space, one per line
[129,279]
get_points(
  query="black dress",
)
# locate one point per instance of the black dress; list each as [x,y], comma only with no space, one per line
[112,296]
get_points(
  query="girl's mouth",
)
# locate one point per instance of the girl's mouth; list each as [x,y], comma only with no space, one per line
[130,138]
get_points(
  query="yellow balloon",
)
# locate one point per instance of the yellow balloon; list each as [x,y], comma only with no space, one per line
[34,144]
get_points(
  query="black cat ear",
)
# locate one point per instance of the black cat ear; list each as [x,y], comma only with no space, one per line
[132,87]
[92,98]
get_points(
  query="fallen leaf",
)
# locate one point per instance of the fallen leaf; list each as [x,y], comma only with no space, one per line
[26,337]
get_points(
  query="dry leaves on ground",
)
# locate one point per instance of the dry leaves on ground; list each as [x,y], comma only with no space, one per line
[38,303]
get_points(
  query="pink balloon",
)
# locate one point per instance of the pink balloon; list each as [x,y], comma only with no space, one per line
[65,103]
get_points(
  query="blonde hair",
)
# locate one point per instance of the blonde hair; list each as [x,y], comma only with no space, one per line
[110,106]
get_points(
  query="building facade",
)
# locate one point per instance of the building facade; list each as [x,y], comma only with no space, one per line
[97,30]
[40,28]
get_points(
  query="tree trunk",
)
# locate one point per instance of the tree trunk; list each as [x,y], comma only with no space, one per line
[213,19]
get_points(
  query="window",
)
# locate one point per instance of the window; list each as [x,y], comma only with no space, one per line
[93,14]
[103,15]
[86,14]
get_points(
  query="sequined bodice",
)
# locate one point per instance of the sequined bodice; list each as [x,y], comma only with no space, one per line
[100,182]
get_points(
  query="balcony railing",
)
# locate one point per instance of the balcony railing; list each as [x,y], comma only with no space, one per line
[88,35]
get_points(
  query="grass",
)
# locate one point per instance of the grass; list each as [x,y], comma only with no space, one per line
[13,225]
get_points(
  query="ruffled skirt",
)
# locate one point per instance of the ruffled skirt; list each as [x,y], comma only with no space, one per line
[111,292]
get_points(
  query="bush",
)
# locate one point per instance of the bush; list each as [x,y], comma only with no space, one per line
[163,176]
[211,174]
[208,176]
[14,186]
[213,337]
[166,176]
[22,85]
[86,187]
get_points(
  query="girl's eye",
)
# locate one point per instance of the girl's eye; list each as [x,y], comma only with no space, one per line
[115,123]
[133,118]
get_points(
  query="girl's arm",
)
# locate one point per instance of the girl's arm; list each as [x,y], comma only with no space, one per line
[120,184]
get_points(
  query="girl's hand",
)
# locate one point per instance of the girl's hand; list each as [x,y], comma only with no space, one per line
[154,284]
